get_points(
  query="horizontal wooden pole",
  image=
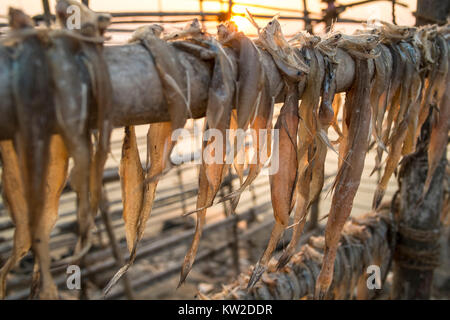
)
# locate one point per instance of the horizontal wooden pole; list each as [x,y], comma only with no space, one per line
[365,242]
[137,90]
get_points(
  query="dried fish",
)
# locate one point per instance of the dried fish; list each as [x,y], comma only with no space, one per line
[169,68]
[440,127]
[357,111]
[249,90]
[409,94]
[78,66]
[92,23]
[288,62]
[138,189]
[31,86]
[159,144]
[131,179]
[34,112]
[39,233]
[309,123]
[218,113]
[192,30]
[251,73]
[262,127]
[392,100]
[303,199]
[71,105]
[360,45]
[14,198]
[391,32]
[379,93]
[283,182]
[313,141]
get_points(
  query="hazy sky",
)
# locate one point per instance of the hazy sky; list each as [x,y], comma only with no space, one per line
[379,9]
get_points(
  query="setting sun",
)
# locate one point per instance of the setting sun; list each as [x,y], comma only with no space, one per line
[243,24]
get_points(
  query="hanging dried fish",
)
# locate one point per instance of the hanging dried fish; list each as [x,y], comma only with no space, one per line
[357,118]
[305,171]
[131,179]
[249,90]
[56,177]
[337,103]
[272,40]
[313,151]
[392,101]
[283,182]
[159,137]
[31,86]
[192,30]
[34,112]
[14,198]
[308,125]
[262,127]
[138,190]
[409,94]
[174,81]
[71,104]
[440,127]
[251,73]
[379,92]
[78,65]
[218,113]
[159,145]
[14,194]
[390,35]
[394,32]
[431,68]
[412,116]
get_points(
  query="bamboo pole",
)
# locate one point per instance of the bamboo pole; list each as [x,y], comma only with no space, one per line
[364,242]
[137,90]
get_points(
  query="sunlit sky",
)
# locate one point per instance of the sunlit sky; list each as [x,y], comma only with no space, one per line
[377,10]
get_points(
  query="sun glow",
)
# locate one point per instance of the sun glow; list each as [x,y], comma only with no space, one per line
[243,24]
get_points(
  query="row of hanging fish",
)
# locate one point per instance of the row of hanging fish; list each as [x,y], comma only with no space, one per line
[399,73]
[400,78]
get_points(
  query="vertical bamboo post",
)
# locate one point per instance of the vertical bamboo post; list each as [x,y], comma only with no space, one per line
[431,11]
[230,9]
[417,250]
[308,25]
[200,4]
[394,19]
[47,14]
[160,10]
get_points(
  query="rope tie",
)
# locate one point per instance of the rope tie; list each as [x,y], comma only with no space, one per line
[418,234]
[418,259]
